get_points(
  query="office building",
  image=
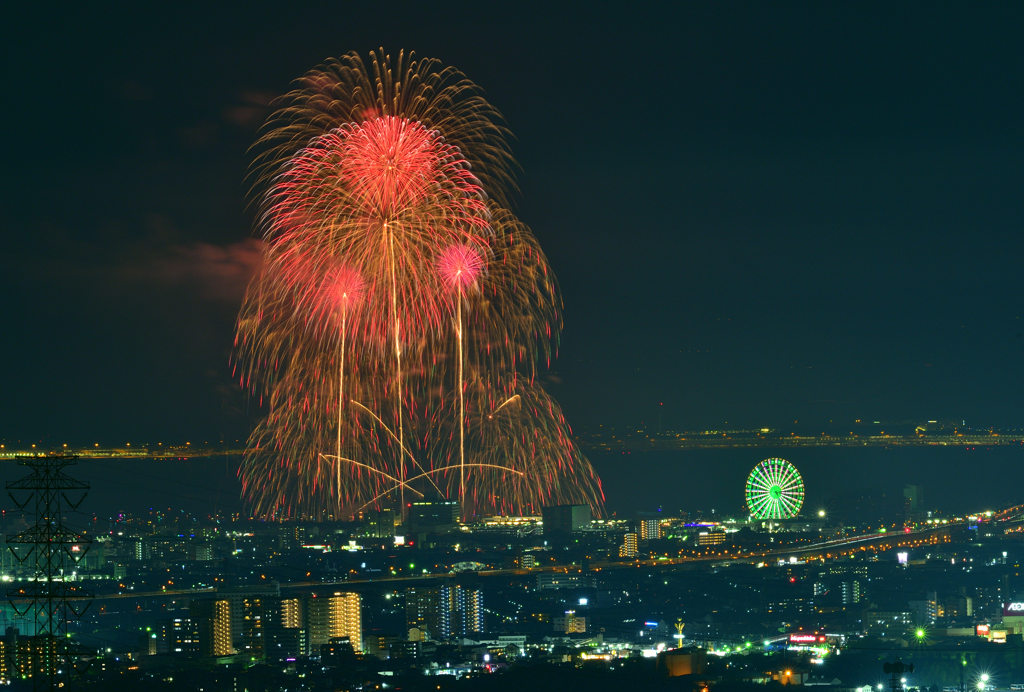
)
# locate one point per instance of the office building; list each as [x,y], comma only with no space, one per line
[561,580]
[379,523]
[433,516]
[338,651]
[283,644]
[912,497]
[562,521]
[178,637]
[710,537]
[570,623]
[526,561]
[960,608]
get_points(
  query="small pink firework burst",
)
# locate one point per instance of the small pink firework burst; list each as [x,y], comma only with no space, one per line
[344,286]
[339,295]
[460,266]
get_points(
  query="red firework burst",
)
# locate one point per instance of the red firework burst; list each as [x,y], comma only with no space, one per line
[390,163]
[385,196]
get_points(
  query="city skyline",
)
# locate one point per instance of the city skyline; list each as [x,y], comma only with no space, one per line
[215,600]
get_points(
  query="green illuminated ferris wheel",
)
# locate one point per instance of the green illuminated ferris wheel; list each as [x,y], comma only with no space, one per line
[775,490]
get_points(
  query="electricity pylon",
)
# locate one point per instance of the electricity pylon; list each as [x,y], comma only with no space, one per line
[48,656]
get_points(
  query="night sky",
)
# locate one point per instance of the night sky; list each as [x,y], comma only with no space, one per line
[758,213]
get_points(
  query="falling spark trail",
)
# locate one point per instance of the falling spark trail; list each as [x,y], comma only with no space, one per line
[369,468]
[394,437]
[462,417]
[427,474]
[504,404]
[398,363]
[341,384]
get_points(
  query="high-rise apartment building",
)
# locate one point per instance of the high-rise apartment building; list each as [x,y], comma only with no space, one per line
[236,597]
[28,657]
[424,610]
[927,611]
[253,627]
[213,626]
[335,615]
[289,613]
[650,529]
[444,611]
[284,633]
[474,619]
[630,546]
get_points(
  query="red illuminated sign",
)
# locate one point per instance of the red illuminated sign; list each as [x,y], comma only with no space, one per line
[982,630]
[806,638]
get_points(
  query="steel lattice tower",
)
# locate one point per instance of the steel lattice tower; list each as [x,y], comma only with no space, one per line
[53,548]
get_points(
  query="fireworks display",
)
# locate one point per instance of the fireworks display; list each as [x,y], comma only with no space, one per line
[402,312]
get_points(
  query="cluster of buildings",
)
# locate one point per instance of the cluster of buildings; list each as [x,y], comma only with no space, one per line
[258,623]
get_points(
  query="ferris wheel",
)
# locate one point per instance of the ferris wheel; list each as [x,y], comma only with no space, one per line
[775,490]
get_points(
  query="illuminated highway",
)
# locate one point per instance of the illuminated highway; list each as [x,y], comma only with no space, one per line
[141,453]
[830,549]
